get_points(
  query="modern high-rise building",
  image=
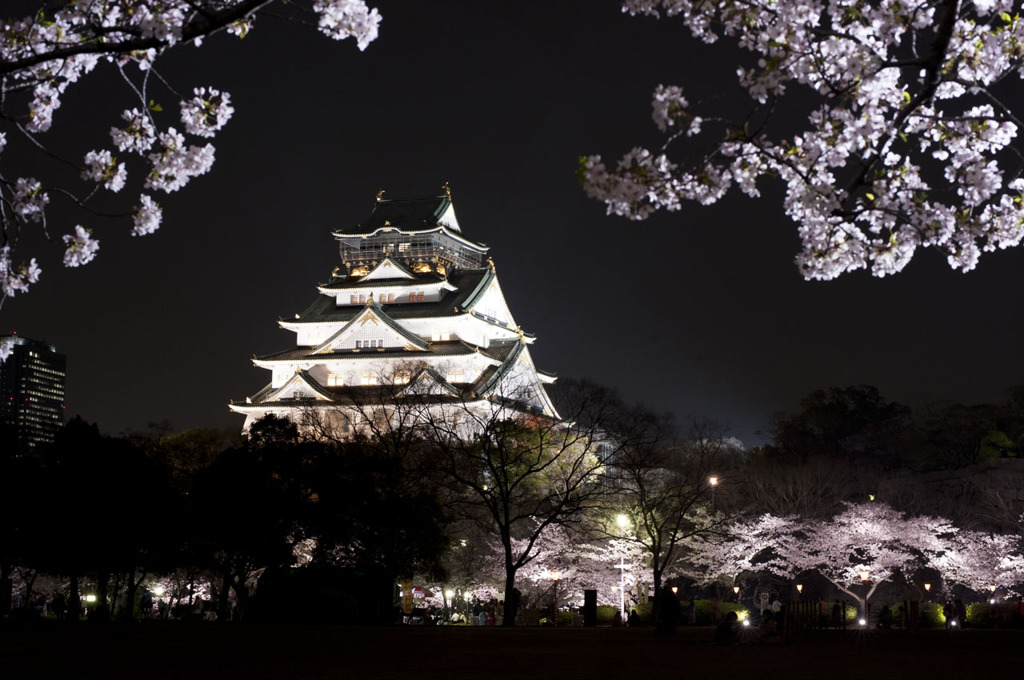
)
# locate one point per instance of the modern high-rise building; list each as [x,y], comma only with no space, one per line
[413,316]
[31,393]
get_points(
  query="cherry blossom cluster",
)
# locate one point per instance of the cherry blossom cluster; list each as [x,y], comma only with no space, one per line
[864,536]
[43,55]
[81,247]
[906,144]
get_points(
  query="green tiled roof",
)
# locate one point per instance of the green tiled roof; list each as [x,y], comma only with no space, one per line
[408,214]
[467,281]
[354,282]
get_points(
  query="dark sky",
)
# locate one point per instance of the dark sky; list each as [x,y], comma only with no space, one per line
[696,312]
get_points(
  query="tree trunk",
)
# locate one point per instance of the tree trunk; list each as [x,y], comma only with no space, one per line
[511,598]
[74,599]
[6,589]
[222,602]
[130,590]
[101,612]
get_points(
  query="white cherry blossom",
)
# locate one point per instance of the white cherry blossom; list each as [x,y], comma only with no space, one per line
[101,166]
[148,215]
[206,112]
[81,247]
[28,200]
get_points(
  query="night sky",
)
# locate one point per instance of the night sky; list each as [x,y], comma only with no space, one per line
[697,312]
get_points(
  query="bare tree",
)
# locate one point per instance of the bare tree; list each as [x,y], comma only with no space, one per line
[665,490]
[516,473]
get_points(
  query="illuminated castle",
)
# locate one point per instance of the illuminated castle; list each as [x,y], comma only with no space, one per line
[414,315]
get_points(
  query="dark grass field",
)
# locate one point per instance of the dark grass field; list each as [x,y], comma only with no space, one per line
[152,651]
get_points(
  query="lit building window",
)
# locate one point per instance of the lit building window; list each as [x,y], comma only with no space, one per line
[402,377]
[369,378]
[335,380]
[441,334]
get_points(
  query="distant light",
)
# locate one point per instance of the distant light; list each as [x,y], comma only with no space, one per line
[90,598]
[158,591]
[953,623]
[799,587]
[713,481]
[863,622]
[622,521]
[675,589]
[746,623]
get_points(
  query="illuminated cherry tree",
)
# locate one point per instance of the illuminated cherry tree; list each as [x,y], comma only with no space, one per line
[868,538]
[979,560]
[760,544]
[50,53]
[896,133]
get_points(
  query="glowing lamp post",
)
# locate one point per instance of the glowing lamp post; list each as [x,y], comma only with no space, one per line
[554,577]
[992,591]
[799,590]
[623,522]
[928,588]
[736,592]
[865,574]
[712,482]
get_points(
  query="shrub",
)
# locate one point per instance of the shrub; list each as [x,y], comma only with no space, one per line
[932,616]
[606,614]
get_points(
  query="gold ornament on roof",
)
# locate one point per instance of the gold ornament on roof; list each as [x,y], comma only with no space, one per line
[490,263]
[447,190]
[334,272]
[380,195]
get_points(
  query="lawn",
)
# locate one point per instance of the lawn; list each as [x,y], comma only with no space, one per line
[153,651]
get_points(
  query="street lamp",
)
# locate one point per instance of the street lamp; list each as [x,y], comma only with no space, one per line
[992,590]
[736,591]
[554,577]
[712,482]
[865,574]
[799,590]
[623,522]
